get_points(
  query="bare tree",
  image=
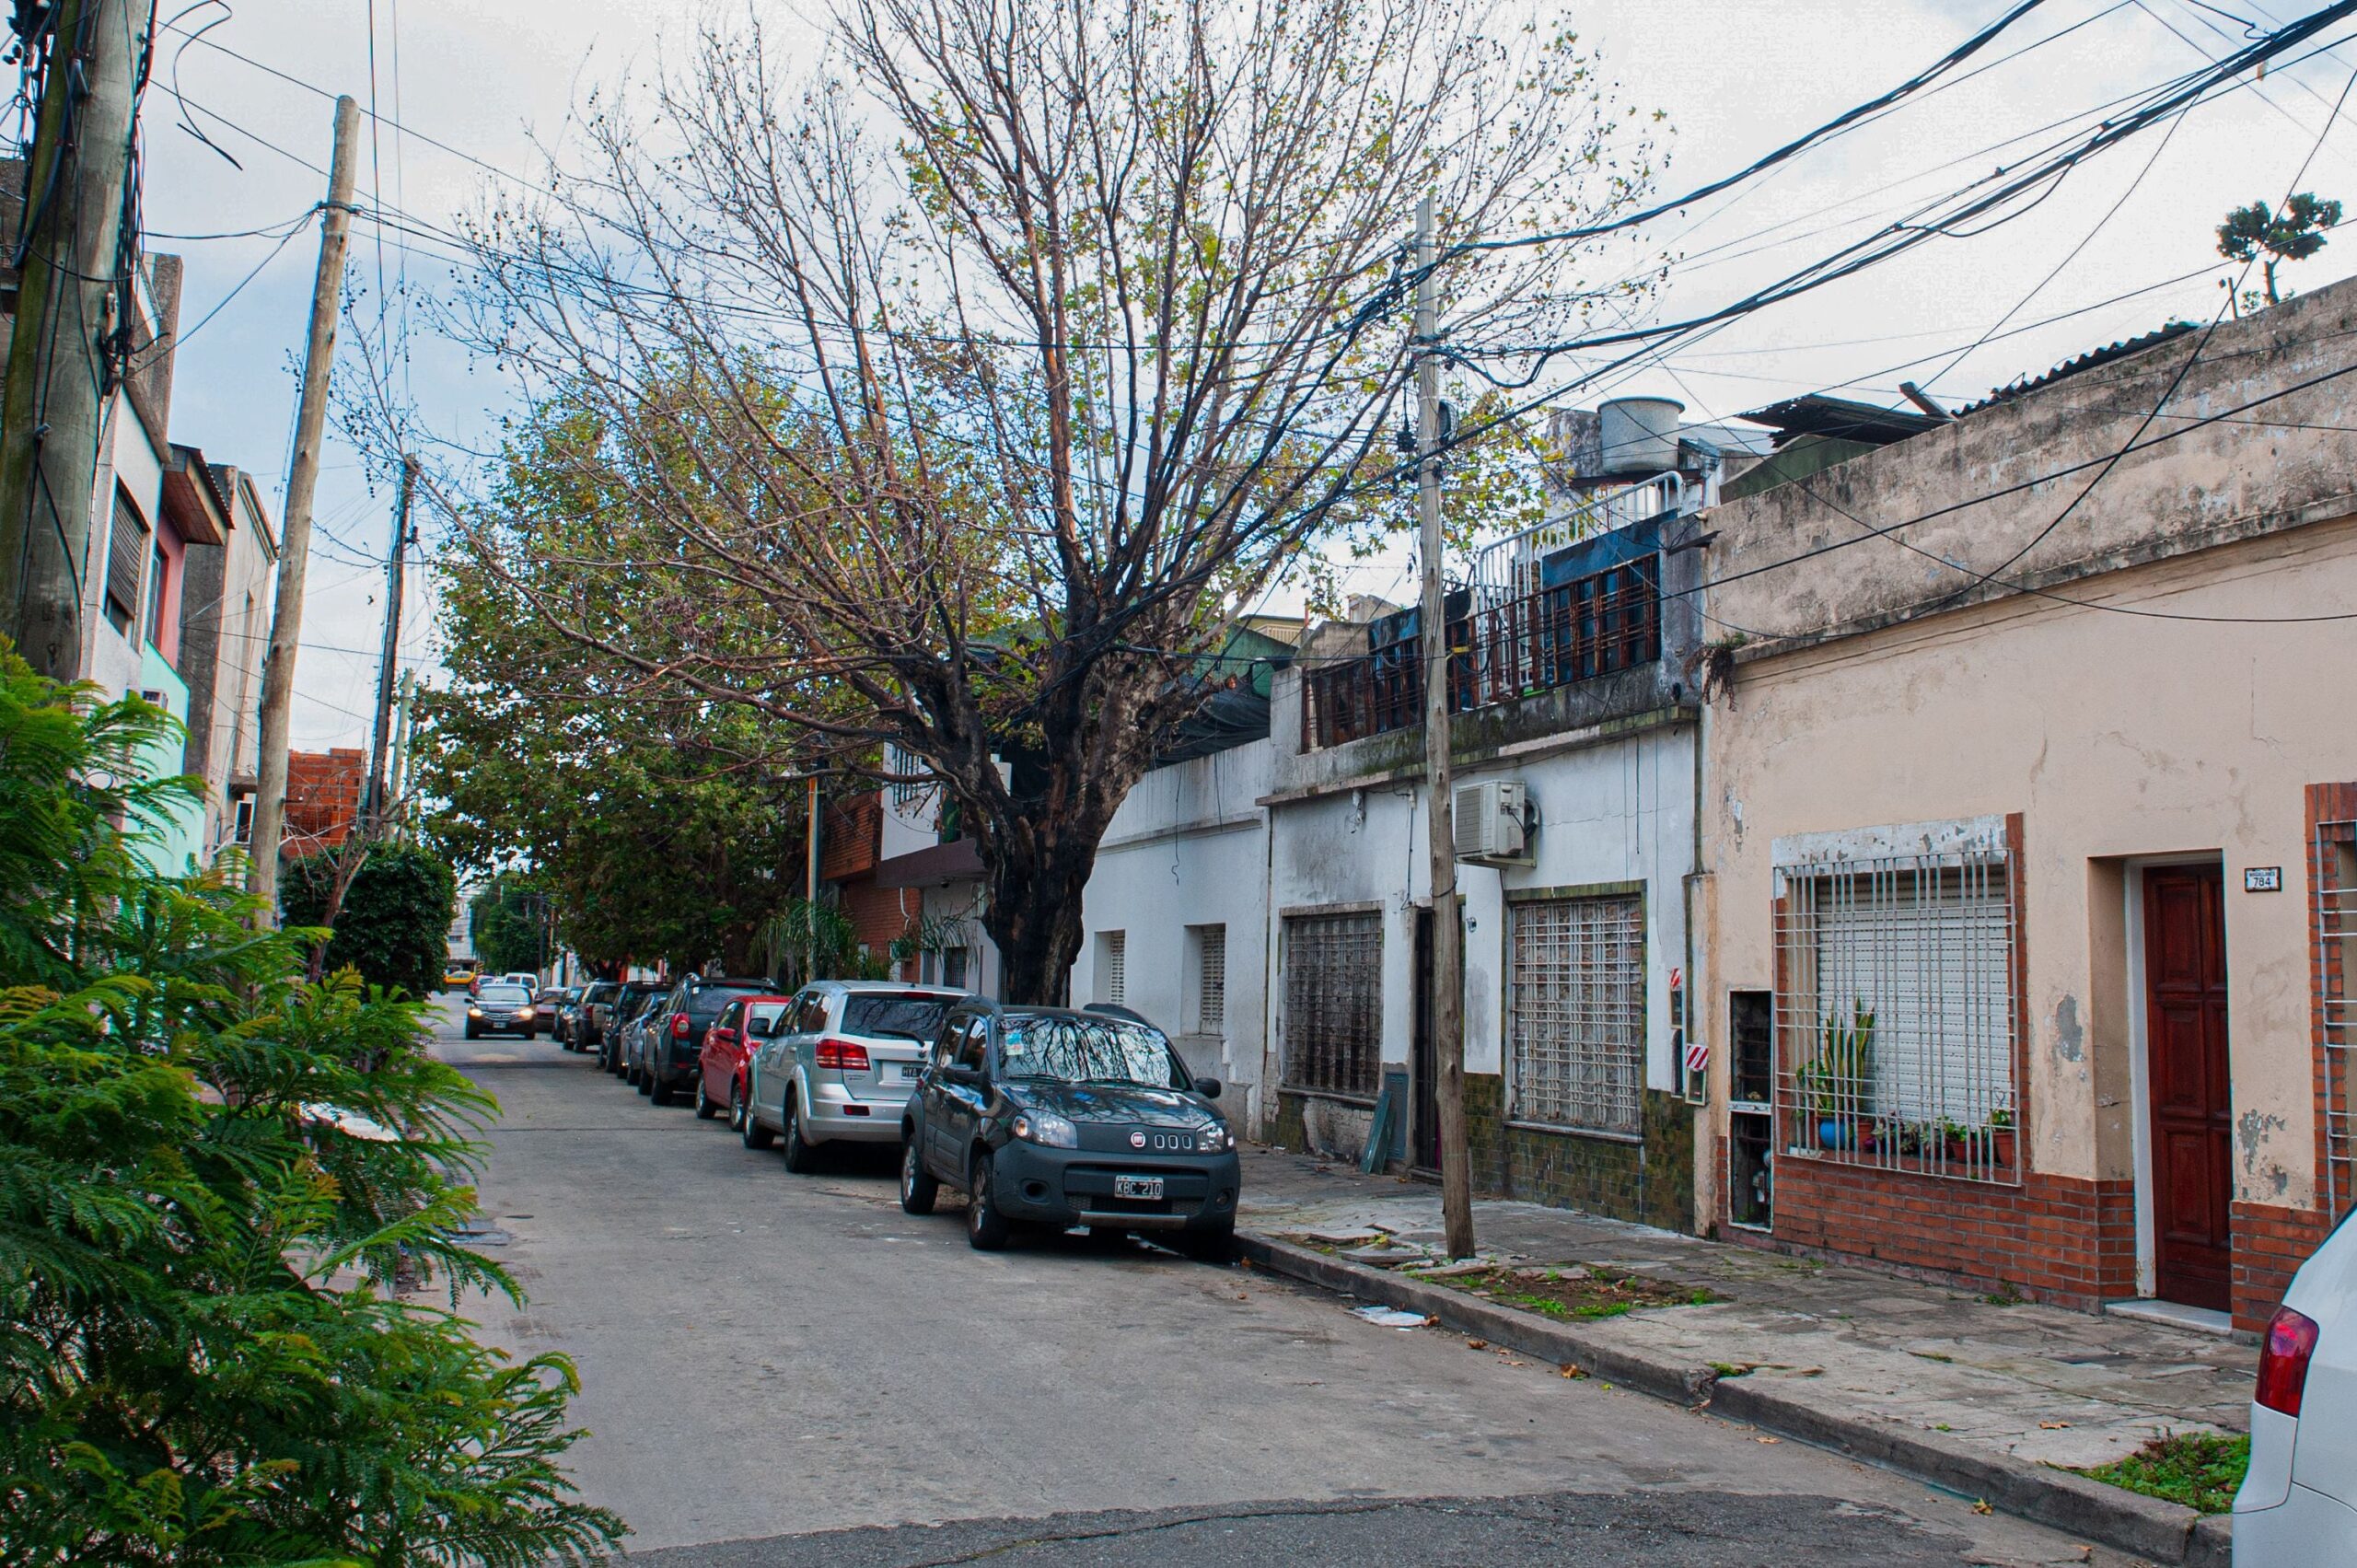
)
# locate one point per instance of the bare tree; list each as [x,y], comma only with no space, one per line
[954,395]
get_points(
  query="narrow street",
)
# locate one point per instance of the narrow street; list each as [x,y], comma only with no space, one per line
[769,1362]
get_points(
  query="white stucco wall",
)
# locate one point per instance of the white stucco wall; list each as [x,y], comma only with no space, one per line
[1188,847]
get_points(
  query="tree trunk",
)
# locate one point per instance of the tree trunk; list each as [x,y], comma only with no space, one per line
[1034,916]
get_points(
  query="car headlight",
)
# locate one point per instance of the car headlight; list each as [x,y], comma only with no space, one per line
[474,1012]
[1047,1129]
[1214,1139]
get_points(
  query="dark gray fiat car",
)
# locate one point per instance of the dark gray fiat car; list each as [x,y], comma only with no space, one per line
[1050,1116]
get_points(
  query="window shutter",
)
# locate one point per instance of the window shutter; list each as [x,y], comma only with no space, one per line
[1576,1013]
[126,552]
[1115,960]
[1211,1004]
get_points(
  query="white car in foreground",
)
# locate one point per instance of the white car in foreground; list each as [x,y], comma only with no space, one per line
[2297,1507]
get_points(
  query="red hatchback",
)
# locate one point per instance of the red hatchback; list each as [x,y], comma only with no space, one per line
[727,1046]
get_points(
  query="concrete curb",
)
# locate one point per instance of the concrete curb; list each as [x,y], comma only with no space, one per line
[2158,1531]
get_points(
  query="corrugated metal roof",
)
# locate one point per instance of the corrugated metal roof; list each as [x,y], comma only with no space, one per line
[2087,361]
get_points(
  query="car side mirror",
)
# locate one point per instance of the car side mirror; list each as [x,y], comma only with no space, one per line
[1207,1087]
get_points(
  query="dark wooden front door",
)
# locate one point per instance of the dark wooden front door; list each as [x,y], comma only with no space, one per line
[1423,1119]
[2185,1032]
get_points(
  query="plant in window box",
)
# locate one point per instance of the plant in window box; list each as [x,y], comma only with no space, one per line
[1957,1140]
[1999,1133]
[1839,1075]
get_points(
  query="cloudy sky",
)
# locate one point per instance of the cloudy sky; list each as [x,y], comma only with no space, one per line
[473,86]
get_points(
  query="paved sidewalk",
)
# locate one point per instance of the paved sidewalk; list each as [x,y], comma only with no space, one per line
[1914,1369]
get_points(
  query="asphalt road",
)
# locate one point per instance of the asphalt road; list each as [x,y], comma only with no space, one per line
[783,1370]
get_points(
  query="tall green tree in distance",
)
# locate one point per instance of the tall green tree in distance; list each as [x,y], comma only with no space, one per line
[393,923]
[210,1172]
[507,919]
[2292,235]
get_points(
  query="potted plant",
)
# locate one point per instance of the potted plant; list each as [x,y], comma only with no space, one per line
[1840,1075]
[2000,1132]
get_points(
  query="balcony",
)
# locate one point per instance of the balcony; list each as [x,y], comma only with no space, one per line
[1501,649]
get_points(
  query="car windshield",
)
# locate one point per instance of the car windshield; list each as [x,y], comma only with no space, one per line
[706,1001]
[603,991]
[506,995]
[901,1017]
[1088,1050]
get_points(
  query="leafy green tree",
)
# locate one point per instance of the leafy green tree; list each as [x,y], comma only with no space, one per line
[393,921]
[210,1172]
[2292,235]
[506,924]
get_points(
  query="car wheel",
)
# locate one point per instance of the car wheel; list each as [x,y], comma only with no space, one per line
[986,1227]
[1209,1246]
[706,1107]
[736,1105]
[748,1128]
[473,1033]
[918,1188]
[645,1082]
[658,1088]
[800,1158]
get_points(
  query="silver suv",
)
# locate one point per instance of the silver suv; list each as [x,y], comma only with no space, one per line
[842,1065]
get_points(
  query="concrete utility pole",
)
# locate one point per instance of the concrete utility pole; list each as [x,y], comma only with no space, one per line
[295,544]
[372,800]
[398,790]
[810,868]
[1440,829]
[53,415]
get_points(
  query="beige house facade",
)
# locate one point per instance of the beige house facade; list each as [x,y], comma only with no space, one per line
[2029,834]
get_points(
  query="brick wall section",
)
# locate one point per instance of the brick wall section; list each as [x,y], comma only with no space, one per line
[322,799]
[877,914]
[850,832]
[2054,1238]
[2270,1243]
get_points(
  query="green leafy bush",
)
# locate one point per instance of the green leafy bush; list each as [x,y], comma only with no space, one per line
[394,922]
[2201,1470]
[210,1172]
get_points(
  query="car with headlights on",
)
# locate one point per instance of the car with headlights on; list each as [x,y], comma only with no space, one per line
[2297,1505]
[842,1067]
[500,1009]
[1054,1117]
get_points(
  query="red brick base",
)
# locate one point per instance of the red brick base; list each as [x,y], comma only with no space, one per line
[879,915]
[2053,1238]
[2270,1244]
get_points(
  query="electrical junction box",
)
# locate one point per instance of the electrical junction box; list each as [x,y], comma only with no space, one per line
[1492,821]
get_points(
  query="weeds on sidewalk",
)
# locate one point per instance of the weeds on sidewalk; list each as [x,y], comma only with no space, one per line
[1576,1292]
[2201,1470]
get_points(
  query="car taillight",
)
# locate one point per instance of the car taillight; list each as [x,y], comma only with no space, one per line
[2284,1360]
[679,1026]
[843,1056]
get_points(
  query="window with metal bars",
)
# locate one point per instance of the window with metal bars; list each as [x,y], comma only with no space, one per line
[1895,1019]
[1575,1014]
[1210,943]
[2336,936]
[1112,960]
[1333,1018]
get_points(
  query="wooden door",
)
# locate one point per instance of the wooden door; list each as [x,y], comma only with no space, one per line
[2185,1032]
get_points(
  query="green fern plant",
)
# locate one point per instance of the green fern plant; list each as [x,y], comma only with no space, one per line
[211,1172]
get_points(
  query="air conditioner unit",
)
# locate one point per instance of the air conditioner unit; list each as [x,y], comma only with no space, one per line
[1491,824]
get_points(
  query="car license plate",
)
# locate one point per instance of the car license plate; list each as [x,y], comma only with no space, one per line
[1137,1187]
[911,1070]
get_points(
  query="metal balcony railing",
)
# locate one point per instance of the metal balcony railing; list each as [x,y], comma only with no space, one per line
[1593,626]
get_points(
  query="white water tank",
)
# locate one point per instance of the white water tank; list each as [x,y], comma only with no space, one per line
[1639,435]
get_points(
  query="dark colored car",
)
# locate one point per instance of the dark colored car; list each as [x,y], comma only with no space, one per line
[1054,1117]
[580,1031]
[672,1055]
[500,1009]
[632,998]
[551,1001]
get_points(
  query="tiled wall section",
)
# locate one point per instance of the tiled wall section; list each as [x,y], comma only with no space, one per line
[1652,1181]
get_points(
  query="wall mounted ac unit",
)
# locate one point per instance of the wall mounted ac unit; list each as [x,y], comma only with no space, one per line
[1490,822]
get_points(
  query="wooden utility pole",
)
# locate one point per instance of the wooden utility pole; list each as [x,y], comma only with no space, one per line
[62,360]
[397,788]
[372,799]
[810,867]
[1440,830]
[294,545]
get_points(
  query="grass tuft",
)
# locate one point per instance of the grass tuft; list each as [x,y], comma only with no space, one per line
[2201,1470]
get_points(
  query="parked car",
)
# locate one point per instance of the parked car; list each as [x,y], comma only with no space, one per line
[1055,1117]
[2297,1507]
[634,1039]
[500,1009]
[636,999]
[525,978]
[581,1033]
[670,1056]
[615,1018]
[742,1025]
[551,1000]
[842,1069]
